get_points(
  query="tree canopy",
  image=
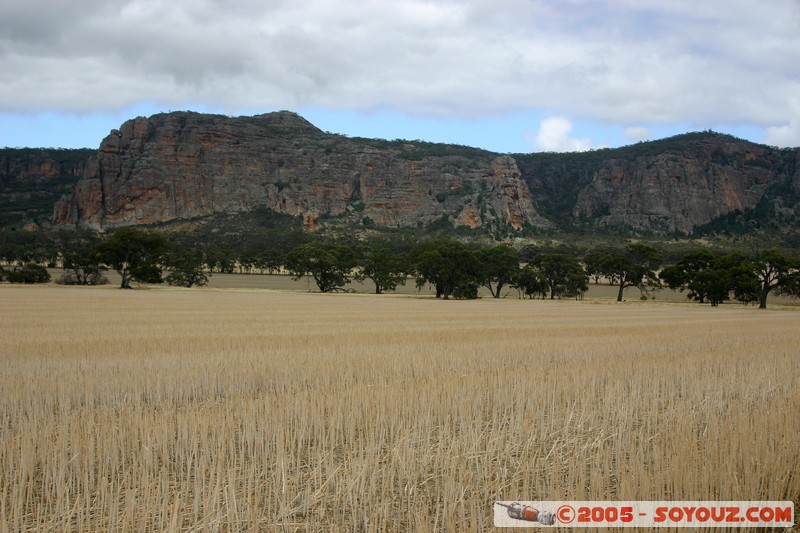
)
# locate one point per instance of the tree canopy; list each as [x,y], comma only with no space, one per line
[530,282]
[776,273]
[499,267]
[563,274]
[327,263]
[186,269]
[712,277]
[386,269]
[82,269]
[450,266]
[632,266]
[134,254]
[29,273]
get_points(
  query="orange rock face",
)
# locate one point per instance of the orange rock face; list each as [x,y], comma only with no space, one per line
[186,165]
[180,166]
[678,191]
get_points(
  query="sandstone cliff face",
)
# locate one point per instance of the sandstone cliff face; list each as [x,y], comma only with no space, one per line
[180,166]
[34,166]
[690,182]
[32,179]
[187,165]
[669,192]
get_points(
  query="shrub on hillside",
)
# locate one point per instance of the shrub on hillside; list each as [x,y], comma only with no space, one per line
[29,273]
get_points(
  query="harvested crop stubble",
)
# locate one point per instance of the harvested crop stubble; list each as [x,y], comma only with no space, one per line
[184,410]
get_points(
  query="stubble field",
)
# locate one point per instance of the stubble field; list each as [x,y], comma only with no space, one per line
[252,410]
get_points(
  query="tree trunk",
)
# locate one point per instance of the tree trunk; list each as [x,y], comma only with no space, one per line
[762,299]
[500,284]
[126,279]
[621,289]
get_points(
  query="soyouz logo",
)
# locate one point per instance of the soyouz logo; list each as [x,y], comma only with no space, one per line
[643,514]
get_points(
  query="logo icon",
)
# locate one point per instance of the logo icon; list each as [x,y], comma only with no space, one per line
[566,514]
[526,513]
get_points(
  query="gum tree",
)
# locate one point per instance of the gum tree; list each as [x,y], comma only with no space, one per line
[328,264]
[385,268]
[776,273]
[499,266]
[633,266]
[134,254]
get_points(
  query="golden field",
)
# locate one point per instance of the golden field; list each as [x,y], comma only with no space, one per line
[252,410]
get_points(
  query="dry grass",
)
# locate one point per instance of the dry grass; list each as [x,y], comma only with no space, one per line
[203,410]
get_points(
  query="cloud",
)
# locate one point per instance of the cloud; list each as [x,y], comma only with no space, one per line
[621,61]
[783,136]
[553,136]
[637,133]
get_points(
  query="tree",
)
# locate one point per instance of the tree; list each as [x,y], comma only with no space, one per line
[564,274]
[82,269]
[712,277]
[384,268]
[775,273]
[28,273]
[449,266]
[791,285]
[575,285]
[692,273]
[593,265]
[530,282]
[28,247]
[741,277]
[221,260]
[499,266]
[633,266]
[134,254]
[186,269]
[269,260]
[327,263]
[261,259]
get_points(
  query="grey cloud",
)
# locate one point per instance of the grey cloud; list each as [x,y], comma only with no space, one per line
[626,61]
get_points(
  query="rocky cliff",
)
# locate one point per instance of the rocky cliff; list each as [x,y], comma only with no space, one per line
[180,166]
[678,191]
[669,186]
[188,165]
[32,179]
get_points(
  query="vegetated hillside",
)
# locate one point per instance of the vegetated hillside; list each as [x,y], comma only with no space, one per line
[33,179]
[187,166]
[696,182]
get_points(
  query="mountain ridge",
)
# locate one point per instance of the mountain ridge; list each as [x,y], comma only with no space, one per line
[187,165]
[184,165]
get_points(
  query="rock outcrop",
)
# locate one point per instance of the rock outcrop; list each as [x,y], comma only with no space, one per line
[662,187]
[187,165]
[33,179]
[31,166]
[181,166]
[675,192]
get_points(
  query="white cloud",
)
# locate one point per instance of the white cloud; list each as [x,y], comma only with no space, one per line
[786,132]
[553,136]
[637,133]
[617,61]
[784,136]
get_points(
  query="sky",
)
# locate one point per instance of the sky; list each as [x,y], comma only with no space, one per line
[511,76]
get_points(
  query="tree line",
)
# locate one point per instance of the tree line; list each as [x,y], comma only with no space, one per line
[454,269]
